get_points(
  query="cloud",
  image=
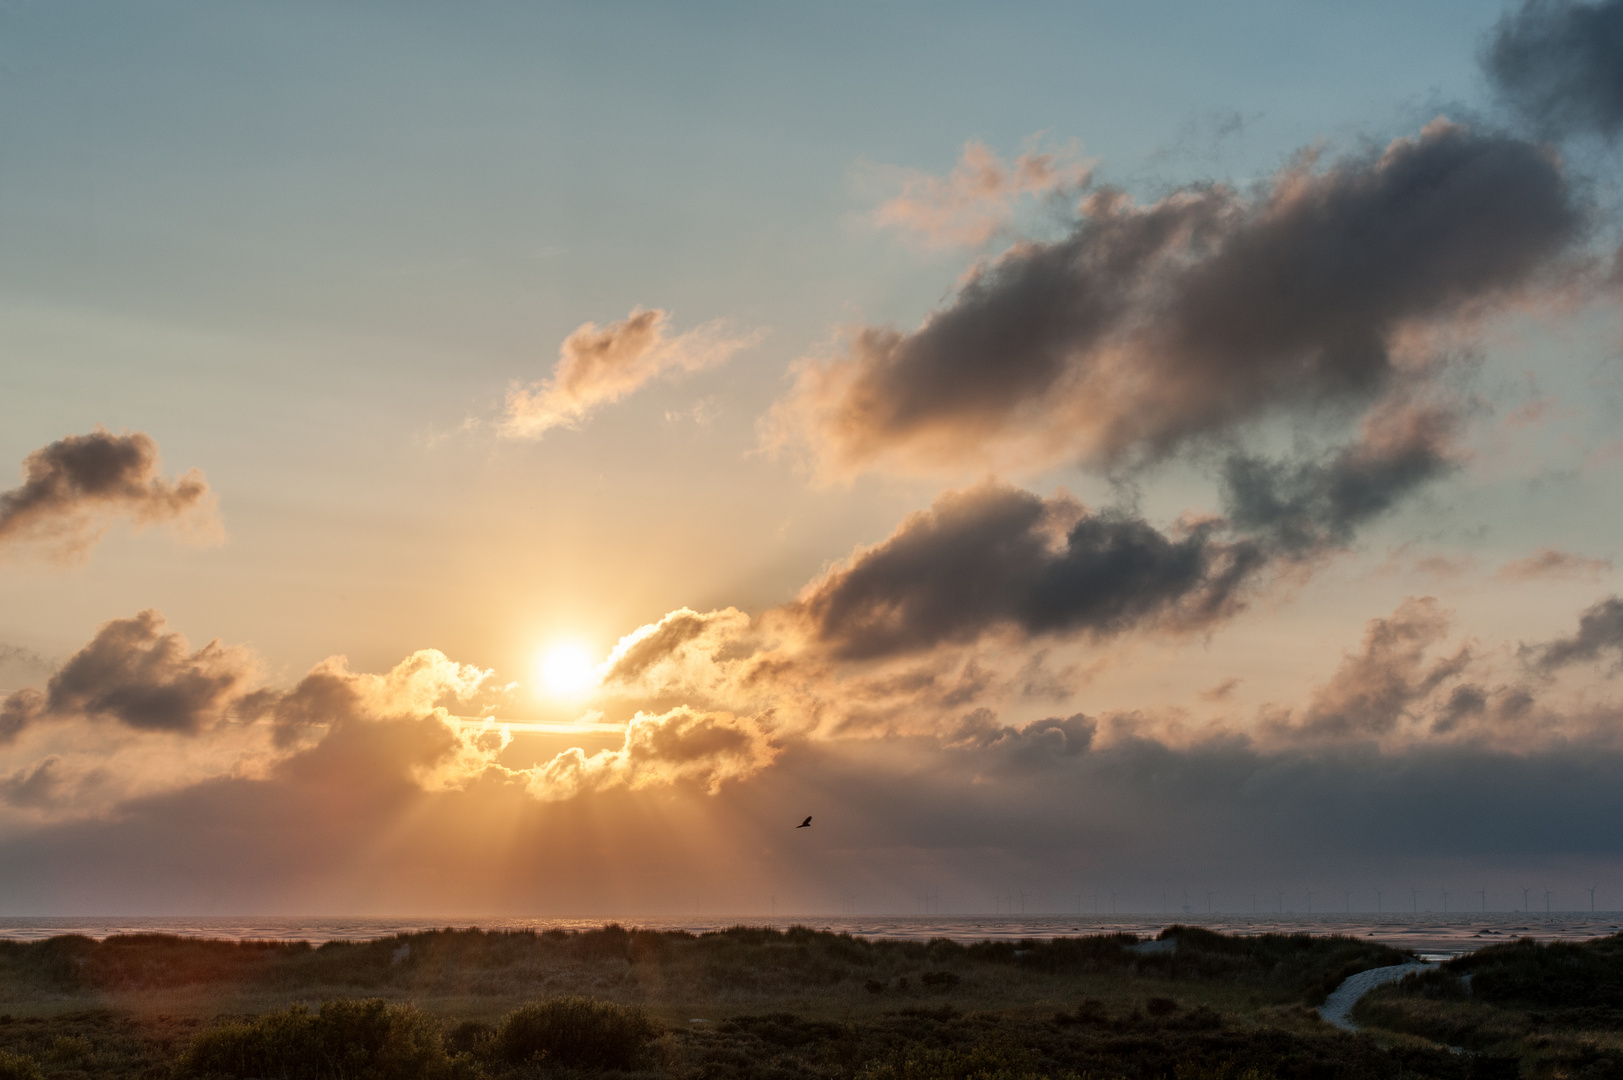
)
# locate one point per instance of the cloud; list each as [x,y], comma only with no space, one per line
[33,785]
[1149,327]
[977,199]
[1222,691]
[1550,562]
[995,556]
[137,674]
[1560,64]
[1600,629]
[599,365]
[1036,743]
[1303,506]
[1373,691]
[683,633]
[74,488]
[683,745]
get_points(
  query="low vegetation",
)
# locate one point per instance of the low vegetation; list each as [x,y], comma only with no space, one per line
[1556,1008]
[798,1004]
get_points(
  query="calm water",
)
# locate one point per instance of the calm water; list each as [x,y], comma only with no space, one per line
[1433,936]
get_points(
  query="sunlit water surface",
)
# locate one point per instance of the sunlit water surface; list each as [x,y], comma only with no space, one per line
[1432,936]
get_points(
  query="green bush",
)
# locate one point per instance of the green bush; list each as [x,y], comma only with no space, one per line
[343,1040]
[17,1067]
[575,1031]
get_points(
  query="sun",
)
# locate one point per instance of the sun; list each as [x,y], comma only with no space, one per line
[566,671]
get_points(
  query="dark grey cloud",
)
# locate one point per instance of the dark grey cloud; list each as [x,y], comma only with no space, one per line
[1560,64]
[136,673]
[74,486]
[1600,630]
[1148,327]
[995,556]
[1302,506]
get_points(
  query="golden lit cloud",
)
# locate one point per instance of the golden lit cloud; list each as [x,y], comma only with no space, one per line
[599,365]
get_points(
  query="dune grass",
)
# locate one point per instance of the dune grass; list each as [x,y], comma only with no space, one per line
[1556,1007]
[797,1004]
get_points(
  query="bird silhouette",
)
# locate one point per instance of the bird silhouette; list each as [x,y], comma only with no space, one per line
[804,824]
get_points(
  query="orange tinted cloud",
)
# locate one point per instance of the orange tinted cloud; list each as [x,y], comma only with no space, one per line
[976,200]
[598,365]
[1550,562]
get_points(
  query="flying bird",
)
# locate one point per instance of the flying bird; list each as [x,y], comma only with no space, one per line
[804,824]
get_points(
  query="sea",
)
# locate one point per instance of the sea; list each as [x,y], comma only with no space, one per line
[1431,936]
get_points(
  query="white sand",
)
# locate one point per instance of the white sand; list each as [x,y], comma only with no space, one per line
[1339,1004]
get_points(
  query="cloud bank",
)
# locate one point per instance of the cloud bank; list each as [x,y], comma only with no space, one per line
[600,365]
[74,488]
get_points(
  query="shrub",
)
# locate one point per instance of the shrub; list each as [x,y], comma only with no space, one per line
[18,1067]
[979,1063]
[71,1050]
[1160,1006]
[352,1040]
[471,1037]
[575,1031]
[939,980]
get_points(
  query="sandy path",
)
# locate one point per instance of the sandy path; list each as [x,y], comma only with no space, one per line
[1344,997]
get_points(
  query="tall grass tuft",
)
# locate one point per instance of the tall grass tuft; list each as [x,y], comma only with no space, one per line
[18,1067]
[577,1032]
[343,1040]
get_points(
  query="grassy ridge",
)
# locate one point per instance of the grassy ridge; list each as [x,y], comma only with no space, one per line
[1556,1007]
[797,1004]
[756,960]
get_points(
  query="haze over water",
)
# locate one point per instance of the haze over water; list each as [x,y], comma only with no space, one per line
[1431,935]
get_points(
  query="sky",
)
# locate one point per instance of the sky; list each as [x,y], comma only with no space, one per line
[504,459]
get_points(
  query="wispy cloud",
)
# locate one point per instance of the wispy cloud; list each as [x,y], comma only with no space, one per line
[977,199]
[600,365]
[1551,562]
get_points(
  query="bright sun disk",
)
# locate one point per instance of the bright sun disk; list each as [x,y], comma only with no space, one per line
[567,671]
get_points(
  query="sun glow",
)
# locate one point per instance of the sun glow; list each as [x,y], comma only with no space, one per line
[566,671]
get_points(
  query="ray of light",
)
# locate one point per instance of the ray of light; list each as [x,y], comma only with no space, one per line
[562,727]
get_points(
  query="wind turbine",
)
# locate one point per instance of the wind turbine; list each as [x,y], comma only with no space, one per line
[1310,902]
[1346,897]
[1414,898]
[1445,901]
[1484,894]
[1279,895]
[1525,891]
[1378,893]
[1546,901]
[1208,901]
[1592,889]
